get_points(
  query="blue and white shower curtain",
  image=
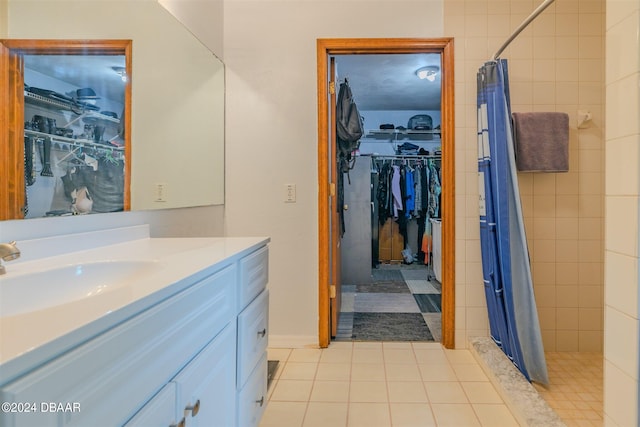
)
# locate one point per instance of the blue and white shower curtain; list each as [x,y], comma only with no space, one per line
[513,318]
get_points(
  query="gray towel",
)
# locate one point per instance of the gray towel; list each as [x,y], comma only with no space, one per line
[541,141]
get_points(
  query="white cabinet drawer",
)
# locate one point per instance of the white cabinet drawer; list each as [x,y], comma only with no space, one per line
[113,375]
[253,334]
[204,385]
[254,274]
[252,399]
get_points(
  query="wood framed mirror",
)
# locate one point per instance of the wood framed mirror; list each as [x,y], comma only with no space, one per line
[66,128]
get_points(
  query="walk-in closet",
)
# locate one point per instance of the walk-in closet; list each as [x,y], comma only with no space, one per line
[392,229]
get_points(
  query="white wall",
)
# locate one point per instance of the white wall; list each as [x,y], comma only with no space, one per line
[191,12]
[3,18]
[270,55]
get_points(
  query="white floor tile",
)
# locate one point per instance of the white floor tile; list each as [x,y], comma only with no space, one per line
[399,355]
[455,415]
[325,414]
[407,392]
[369,415]
[481,392]
[292,391]
[368,372]
[445,392]
[284,414]
[360,384]
[336,355]
[411,415]
[334,372]
[403,372]
[308,355]
[330,391]
[494,415]
[436,372]
[368,355]
[470,372]
[298,371]
[368,392]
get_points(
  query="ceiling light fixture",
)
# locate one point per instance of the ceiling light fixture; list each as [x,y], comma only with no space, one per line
[429,72]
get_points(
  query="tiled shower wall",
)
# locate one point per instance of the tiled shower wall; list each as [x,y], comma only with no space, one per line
[556,64]
[621,366]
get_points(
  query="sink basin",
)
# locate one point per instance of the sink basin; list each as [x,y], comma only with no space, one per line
[39,290]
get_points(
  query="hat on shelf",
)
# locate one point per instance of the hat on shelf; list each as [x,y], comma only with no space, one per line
[86,93]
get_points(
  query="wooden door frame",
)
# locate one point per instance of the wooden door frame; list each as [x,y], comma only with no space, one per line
[443,46]
[12,110]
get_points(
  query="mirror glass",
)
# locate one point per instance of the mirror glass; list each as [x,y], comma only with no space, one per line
[74,109]
[177,107]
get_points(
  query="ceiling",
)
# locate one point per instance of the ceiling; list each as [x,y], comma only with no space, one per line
[82,71]
[378,81]
[389,81]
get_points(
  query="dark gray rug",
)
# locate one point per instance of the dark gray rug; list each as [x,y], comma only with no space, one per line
[429,303]
[384,287]
[390,327]
[382,274]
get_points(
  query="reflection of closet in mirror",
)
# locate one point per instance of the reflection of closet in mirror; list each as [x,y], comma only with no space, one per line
[74,110]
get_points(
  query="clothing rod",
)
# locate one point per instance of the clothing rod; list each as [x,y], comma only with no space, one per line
[404,156]
[522,26]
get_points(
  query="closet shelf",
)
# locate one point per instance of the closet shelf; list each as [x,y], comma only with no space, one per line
[404,131]
[43,101]
[393,135]
[75,142]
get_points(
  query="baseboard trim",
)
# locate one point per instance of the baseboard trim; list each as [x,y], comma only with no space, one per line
[293,341]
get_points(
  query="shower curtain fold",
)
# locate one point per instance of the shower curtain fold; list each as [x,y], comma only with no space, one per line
[513,319]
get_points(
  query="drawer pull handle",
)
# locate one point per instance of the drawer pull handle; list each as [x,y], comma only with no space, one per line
[180,424]
[262,333]
[261,401]
[194,408]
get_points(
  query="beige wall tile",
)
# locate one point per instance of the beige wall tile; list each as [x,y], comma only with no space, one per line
[567,340]
[623,408]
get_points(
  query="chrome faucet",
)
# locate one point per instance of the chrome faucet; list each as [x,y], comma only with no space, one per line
[8,252]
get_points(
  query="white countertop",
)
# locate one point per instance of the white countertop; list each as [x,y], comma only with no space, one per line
[30,339]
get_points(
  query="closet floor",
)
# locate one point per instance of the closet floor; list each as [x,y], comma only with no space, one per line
[403,303]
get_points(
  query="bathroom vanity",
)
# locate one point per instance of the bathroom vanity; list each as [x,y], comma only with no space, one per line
[177,338]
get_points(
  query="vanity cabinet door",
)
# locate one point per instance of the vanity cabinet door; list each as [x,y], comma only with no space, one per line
[160,411]
[205,386]
[252,399]
[113,375]
[253,333]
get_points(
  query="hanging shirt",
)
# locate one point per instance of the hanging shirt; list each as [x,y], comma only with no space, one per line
[417,181]
[434,191]
[409,193]
[396,191]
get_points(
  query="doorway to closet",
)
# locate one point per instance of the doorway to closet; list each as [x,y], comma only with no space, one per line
[386,260]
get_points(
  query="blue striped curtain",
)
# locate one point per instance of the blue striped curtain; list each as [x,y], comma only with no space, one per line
[513,317]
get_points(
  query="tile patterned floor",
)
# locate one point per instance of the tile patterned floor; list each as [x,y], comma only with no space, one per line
[412,384]
[575,391]
[382,384]
[395,291]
